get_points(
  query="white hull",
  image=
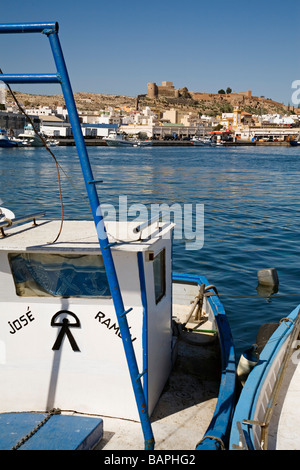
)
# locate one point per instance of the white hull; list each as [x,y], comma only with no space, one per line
[30,141]
[89,379]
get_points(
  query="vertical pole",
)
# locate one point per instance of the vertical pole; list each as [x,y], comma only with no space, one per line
[102,236]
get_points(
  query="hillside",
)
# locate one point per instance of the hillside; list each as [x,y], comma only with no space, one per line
[202,103]
[216,104]
[84,101]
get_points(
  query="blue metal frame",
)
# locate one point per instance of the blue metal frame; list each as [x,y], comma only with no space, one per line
[51,30]
[141,268]
[246,406]
[218,431]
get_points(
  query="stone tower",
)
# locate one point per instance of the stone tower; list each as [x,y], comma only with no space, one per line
[152,90]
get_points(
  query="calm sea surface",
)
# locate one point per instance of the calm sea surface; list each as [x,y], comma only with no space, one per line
[251,200]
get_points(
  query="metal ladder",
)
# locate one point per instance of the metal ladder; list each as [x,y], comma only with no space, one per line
[62,78]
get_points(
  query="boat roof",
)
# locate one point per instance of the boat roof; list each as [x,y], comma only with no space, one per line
[80,236]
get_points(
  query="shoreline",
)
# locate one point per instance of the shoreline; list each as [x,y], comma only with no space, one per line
[174,143]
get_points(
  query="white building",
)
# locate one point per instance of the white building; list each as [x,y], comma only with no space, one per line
[278,119]
[97,130]
[61,111]
[40,111]
[55,127]
[3,94]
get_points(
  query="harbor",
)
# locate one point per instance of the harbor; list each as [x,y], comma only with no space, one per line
[248,208]
[108,269]
[155,118]
[137,262]
[90,142]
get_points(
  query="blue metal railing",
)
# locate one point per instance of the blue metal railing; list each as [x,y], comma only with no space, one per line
[51,30]
[31,78]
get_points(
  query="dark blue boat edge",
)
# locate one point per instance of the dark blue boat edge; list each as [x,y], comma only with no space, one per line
[248,398]
[217,435]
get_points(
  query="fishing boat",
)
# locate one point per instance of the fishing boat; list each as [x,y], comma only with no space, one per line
[267,414]
[30,138]
[201,141]
[142,143]
[118,139]
[5,141]
[102,345]
[295,142]
[52,142]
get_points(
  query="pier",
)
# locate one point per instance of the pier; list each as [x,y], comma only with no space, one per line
[90,142]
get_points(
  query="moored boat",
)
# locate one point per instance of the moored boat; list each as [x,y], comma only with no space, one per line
[267,415]
[142,143]
[201,141]
[97,324]
[118,139]
[5,141]
[295,142]
[30,138]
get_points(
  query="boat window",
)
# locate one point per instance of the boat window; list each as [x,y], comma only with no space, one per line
[47,275]
[159,269]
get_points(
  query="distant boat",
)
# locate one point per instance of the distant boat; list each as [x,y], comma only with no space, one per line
[142,143]
[201,141]
[5,141]
[117,139]
[30,138]
[52,142]
[295,142]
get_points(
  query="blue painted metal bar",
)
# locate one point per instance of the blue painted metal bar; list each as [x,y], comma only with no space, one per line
[102,236]
[11,28]
[51,30]
[126,311]
[30,78]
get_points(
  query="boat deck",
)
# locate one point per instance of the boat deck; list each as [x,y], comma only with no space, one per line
[79,235]
[285,424]
[183,412]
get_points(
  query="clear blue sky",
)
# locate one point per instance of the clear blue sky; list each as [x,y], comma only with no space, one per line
[116,47]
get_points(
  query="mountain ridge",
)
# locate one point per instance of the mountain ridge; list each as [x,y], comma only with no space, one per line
[206,103]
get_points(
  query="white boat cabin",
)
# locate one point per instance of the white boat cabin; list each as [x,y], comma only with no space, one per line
[60,344]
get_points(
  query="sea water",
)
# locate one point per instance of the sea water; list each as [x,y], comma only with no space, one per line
[251,200]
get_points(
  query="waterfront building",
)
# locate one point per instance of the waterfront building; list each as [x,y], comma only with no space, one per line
[3,95]
[40,111]
[59,128]
[13,123]
[271,133]
[56,128]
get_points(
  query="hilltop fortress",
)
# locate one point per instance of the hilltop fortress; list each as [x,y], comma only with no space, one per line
[167,89]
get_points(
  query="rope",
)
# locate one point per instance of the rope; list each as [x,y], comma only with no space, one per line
[22,110]
[214,438]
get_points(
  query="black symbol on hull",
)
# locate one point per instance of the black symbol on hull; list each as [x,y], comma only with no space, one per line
[65,330]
